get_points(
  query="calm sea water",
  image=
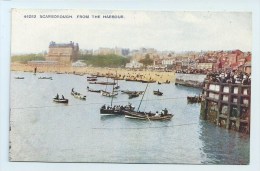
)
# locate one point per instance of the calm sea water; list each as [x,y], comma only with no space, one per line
[42,130]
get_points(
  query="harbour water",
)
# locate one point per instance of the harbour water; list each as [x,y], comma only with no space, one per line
[42,130]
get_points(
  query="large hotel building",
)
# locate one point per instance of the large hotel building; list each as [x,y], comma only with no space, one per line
[63,53]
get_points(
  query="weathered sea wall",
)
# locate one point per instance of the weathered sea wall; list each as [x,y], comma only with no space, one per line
[227,105]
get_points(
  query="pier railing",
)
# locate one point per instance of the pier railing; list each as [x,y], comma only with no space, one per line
[227,105]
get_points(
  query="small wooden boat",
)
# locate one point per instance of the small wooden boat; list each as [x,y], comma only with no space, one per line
[158,93]
[79,74]
[147,116]
[118,78]
[132,92]
[92,79]
[103,83]
[133,95]
[45,78]
[58,100]
[91,76]
[108,94]
[19,78]
[78,95]
[115,110]
[150,81]
[92,90]
[135,80]
[97,75]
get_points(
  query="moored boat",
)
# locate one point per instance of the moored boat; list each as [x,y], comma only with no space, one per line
[92,90]
[19,78]
[108,94]
[147,115]
[116,110]
[78,95]
[103,83]
[149,81]
[60,100]
[133,95]
[164,115]
[45,78]
[158,93]
[132,92]
[92,79]
[91,76]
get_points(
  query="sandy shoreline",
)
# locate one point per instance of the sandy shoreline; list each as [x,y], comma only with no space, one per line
[157,76]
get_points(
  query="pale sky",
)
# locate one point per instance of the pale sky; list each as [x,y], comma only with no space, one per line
[177,31]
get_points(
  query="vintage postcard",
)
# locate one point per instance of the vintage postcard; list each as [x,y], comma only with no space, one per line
[130,86]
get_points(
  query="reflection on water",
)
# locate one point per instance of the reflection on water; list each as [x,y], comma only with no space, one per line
[223,146]
[47,131]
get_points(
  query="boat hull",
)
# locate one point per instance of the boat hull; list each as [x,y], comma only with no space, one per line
[65,101]
[108,94]
[116,111]
[78,95]
[107,112]
[147,116]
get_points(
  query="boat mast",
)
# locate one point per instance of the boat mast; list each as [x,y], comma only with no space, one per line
[113,91]
[106,85]
[142,97]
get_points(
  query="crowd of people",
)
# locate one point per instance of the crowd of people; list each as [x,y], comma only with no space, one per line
[118,107]
[192,71]
[233,77]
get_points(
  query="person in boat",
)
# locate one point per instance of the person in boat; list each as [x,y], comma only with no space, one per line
[57,96]
[162,113]
[165,111]
[62,97]
[130,106]
[103,107]
[157,113]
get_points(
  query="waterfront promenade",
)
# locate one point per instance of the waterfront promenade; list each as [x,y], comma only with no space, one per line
[158,76]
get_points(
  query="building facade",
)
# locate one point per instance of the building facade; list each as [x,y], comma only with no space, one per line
[134,64]
[63,53]
[208,66]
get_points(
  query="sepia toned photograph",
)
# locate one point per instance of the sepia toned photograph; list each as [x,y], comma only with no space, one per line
[158,87]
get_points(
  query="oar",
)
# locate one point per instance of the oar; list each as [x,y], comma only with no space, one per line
[147,117]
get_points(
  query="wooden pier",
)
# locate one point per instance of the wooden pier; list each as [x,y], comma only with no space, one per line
[227,105]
